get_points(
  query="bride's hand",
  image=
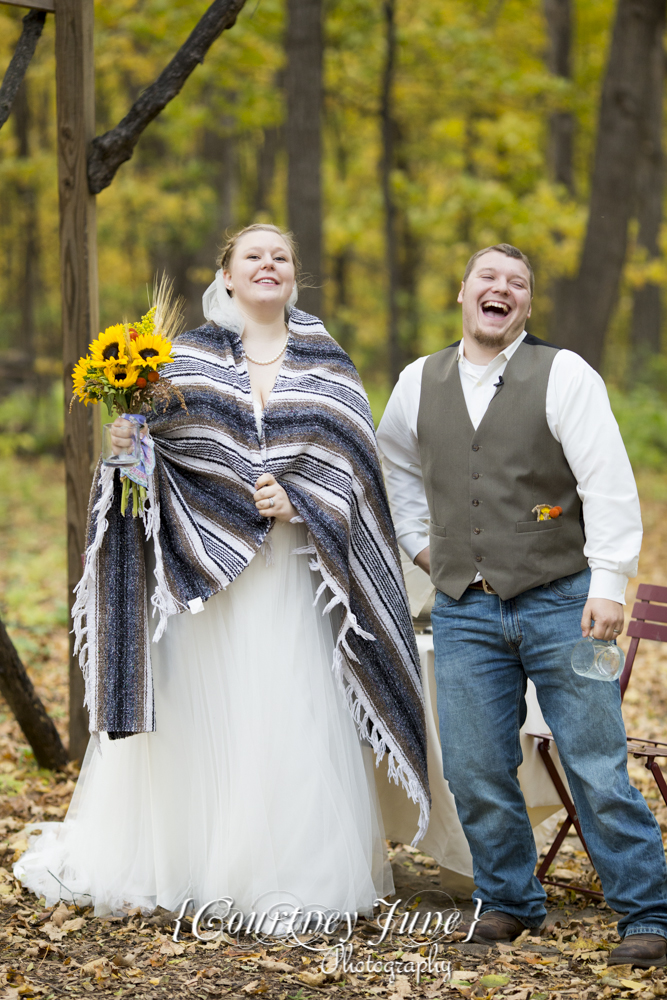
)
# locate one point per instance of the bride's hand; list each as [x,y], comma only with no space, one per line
[268,489]
[122,434]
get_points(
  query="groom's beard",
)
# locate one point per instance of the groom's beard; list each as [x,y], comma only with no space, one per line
[499,341]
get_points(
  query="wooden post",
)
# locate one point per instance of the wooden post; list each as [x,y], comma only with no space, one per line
[75,93]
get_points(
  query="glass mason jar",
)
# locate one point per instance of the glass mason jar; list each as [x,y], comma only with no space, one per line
[599,659]
[130,455]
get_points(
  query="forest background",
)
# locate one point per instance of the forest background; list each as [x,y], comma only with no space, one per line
[446,125]
[478,92]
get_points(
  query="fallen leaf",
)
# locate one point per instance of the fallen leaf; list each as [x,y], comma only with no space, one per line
[59,916]
[490,981]
[52,932]
[258,986]
[312,978]
[467,975]
[622,970]
[90,968]
[272,966]
[75,924]
[632,984]
[171,948]
[402,988]
[122,961]
[566,874]
[20,847]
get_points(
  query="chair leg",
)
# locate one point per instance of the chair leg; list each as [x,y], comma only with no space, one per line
[553,850]
[654,768]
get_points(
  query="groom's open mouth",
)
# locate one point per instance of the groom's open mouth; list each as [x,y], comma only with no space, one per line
[495,307]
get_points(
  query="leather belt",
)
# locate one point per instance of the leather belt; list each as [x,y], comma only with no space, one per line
[482,585]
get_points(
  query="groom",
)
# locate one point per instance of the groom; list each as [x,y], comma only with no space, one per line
[511,486]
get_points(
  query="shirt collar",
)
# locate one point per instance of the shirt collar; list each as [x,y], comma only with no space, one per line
[504,355]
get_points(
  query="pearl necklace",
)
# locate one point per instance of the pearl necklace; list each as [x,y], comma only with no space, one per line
[271,360]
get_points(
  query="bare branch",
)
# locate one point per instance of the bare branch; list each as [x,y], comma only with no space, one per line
[108,151]
[17,690]
[33,24]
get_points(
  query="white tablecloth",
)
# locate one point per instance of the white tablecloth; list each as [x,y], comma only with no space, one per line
[445,841]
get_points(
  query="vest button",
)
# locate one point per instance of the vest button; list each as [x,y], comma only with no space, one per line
[475,503]
[475,447]
[477,530]
[475,475]
[478,558]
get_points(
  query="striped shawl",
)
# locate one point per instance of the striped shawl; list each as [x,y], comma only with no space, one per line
[319,443]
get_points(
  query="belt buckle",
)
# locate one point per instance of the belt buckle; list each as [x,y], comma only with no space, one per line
[487,588]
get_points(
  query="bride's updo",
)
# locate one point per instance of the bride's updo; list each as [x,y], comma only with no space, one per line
[227,251]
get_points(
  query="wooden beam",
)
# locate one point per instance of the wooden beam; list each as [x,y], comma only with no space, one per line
[47,5]
[75,97]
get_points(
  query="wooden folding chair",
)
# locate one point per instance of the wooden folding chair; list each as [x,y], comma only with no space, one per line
[648,621]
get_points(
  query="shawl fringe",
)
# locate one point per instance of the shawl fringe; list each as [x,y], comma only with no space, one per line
[318,441]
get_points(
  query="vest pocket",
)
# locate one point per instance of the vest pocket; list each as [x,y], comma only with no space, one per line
[553,522]
[437,529]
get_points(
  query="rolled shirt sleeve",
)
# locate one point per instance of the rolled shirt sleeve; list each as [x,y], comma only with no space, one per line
[580,417]
[397,438]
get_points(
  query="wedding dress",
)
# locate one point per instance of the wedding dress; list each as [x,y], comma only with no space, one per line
[255,785]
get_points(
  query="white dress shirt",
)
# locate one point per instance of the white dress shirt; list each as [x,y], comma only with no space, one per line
[579,417]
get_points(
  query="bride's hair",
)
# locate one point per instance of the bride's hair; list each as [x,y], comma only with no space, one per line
[227,251]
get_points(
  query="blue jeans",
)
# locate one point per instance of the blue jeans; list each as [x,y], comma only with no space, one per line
[485,648]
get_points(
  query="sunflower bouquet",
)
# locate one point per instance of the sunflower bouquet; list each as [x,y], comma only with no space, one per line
[122,369]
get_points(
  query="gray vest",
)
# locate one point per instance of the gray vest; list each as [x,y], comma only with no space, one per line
[481,485]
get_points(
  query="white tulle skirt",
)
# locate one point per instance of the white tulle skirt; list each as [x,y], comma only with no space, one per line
[255,784]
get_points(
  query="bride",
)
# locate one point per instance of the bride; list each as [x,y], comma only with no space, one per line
[234,757]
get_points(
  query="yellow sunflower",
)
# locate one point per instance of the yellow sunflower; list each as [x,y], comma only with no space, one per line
[82,372]
[110,346]
[121,374]
[150,350]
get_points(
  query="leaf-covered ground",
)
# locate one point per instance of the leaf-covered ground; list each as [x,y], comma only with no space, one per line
[64,950]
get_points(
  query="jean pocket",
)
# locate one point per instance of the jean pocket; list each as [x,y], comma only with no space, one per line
[443,600]
[574,587]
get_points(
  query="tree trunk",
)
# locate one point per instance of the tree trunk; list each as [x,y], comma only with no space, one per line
[303,85]
[583,314]
[647,307]
[341,327]
[266,168]
[387,164]
[409,260]
[558,15]
[17,690]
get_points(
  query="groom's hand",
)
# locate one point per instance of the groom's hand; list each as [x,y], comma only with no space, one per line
[602,619]
[423,560]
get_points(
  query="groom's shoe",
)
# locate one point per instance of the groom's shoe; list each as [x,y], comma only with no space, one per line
[494,926]
[642,950]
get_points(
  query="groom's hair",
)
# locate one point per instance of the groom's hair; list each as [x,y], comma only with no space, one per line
[509,251]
